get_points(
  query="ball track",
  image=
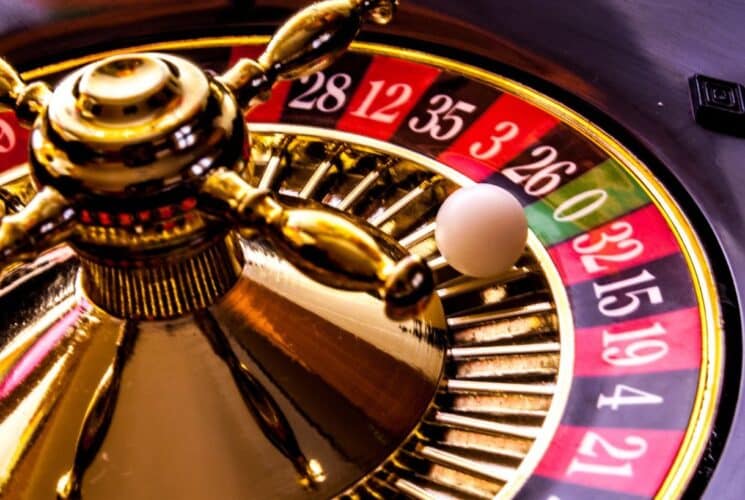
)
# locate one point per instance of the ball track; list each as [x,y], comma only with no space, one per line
[503,358]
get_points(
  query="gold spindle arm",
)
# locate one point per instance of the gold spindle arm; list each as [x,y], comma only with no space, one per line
[11,86]
[325,246]
[48,218]
[308,42]
[45,222]
[28,101]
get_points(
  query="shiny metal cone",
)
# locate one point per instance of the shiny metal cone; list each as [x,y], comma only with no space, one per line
[161,355]
[283,389]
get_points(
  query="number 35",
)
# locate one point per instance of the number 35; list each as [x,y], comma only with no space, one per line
[444,121]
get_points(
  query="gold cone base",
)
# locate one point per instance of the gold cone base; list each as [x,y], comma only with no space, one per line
[285,388]
[167,288]
[276,391]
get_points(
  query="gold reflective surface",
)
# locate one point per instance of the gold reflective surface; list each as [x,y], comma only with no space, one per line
[166,140]
[287,388]
[248,396]
[140,380]
[505,325]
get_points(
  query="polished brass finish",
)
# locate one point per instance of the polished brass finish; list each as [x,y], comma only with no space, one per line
[243,398]
[343,255]
[45,222]
[308,42]
[11,86]
[187,268]
[156,133]
[141,130]
[481,316]
[506,368]
[169,289]
[28,101]
[207,346]
[128,100]
[414,411]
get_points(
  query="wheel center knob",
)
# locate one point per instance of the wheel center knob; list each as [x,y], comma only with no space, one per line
[123,89]
[126,100]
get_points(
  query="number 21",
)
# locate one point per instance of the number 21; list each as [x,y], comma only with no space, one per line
[595,446]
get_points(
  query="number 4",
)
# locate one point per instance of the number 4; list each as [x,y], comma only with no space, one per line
[624,395]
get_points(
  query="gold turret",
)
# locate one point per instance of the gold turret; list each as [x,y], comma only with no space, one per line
[210,320]
[138,158]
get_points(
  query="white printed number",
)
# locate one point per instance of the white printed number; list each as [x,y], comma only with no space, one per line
[613,306]
[635,347]
[543,176]
[625,395]
[620,235]
[445,120]
[504,132]
[7,137]
[327,96]
[398,94]
[614,460]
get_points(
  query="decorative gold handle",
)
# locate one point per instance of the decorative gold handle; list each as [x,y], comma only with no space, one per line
[46,221]
[308,42]
[11,86]
[324,245]
[184,144]
[28,101]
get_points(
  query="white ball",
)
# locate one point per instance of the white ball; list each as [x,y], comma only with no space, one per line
[481,230]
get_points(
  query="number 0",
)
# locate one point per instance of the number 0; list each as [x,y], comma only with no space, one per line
[568,211]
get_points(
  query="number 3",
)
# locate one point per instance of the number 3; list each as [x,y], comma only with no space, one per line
[505,132]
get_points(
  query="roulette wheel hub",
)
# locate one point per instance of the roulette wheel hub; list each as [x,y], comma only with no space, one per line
[165,140]
[279,292]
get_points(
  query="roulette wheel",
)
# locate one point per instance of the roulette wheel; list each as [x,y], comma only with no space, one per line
[311,305]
